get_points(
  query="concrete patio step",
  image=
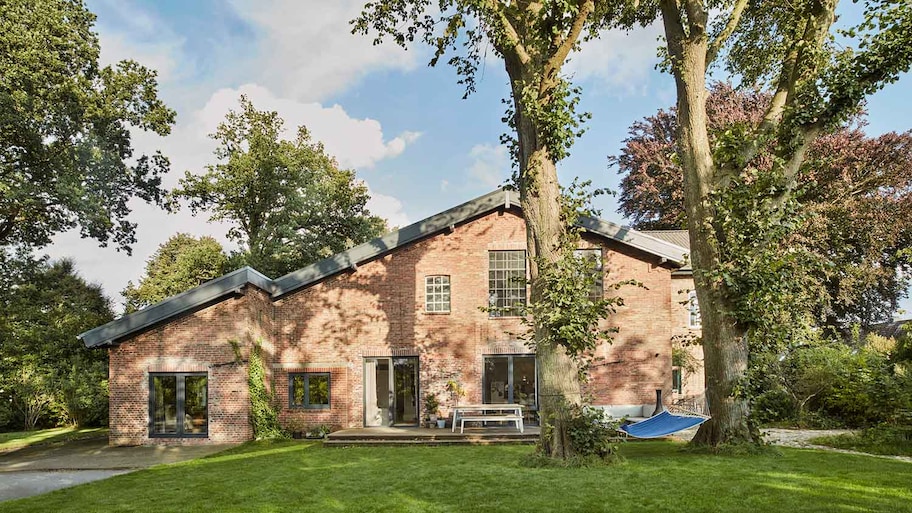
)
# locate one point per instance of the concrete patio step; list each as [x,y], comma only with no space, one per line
[421,436]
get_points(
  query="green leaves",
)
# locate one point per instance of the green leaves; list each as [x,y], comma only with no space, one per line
[288,202]
[65,144]
[180,263]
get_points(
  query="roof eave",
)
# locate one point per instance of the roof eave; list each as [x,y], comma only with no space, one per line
[108,334]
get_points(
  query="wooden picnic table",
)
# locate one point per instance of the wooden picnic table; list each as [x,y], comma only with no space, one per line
[487,413]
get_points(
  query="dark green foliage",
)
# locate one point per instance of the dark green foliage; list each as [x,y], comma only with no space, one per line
[65,122]
[593,434]
[180,263]
[264,414]
[289,203]
[831,384]
[47,376]
[881,439]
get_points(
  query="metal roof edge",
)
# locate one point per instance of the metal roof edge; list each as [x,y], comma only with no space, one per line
[175,305]
[395,239]
[635,239]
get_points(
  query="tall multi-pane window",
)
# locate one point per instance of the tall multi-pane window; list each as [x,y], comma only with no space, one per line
[694,310]
[594,258]
[677,380]
[437,294]
[506,282]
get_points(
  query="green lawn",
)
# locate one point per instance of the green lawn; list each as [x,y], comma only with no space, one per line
[293,476]
[14,440]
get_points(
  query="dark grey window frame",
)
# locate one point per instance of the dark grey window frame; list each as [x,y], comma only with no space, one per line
[306,405]
[181,396]
[510,384]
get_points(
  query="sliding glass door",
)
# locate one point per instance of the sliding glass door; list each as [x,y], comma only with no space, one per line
[510,379]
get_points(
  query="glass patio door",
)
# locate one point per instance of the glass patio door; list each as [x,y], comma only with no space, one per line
[391,391]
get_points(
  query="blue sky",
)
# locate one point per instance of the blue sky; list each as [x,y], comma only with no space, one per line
[381,110]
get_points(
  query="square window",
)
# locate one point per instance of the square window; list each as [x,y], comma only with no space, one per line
[308,390]
[437,294]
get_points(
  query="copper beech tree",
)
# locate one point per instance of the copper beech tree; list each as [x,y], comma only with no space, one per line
[534,40]
[855,195]
[739,192]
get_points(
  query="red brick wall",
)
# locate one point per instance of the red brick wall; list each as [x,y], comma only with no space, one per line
[198,342]
[378,310]
[693,382]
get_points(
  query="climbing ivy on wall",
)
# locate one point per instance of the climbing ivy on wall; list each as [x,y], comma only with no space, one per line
[264,415]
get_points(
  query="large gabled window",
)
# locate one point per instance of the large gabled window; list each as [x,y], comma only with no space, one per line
[308,390]
[178,404]
[506,282]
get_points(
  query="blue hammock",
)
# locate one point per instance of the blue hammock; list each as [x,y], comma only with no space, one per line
[662,424]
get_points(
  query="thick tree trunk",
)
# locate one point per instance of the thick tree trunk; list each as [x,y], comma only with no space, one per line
[559,384]
[724,342]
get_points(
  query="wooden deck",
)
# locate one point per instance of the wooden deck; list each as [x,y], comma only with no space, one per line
[425,436]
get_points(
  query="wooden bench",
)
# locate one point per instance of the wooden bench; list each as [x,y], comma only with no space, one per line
[491,418]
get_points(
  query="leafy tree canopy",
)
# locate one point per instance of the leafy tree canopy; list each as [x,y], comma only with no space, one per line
[46,374]
[65,153]
[180,263]
[855,192]
[741,193]
[289,203]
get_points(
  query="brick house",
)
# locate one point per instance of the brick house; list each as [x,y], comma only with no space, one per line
[360,338]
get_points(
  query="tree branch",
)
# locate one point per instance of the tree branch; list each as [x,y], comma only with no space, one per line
[716,45]
[582,16]
[514,44]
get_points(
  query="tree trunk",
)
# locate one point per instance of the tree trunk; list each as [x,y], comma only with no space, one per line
[724,342]
[559,383]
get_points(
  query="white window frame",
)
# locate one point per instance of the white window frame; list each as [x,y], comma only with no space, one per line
[508,300]
[597,291]
[693,310]
[437,294]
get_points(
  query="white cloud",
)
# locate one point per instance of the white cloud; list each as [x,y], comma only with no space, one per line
[134,33]
[491,164]
[388,208]
[307,51]
[356,143]
[618,59]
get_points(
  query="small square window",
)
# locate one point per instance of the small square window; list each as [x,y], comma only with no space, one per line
[308,390]
[437,294]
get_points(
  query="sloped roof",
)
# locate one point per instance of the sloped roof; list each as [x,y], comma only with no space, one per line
[231,282]
[678,238]
[893,329]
